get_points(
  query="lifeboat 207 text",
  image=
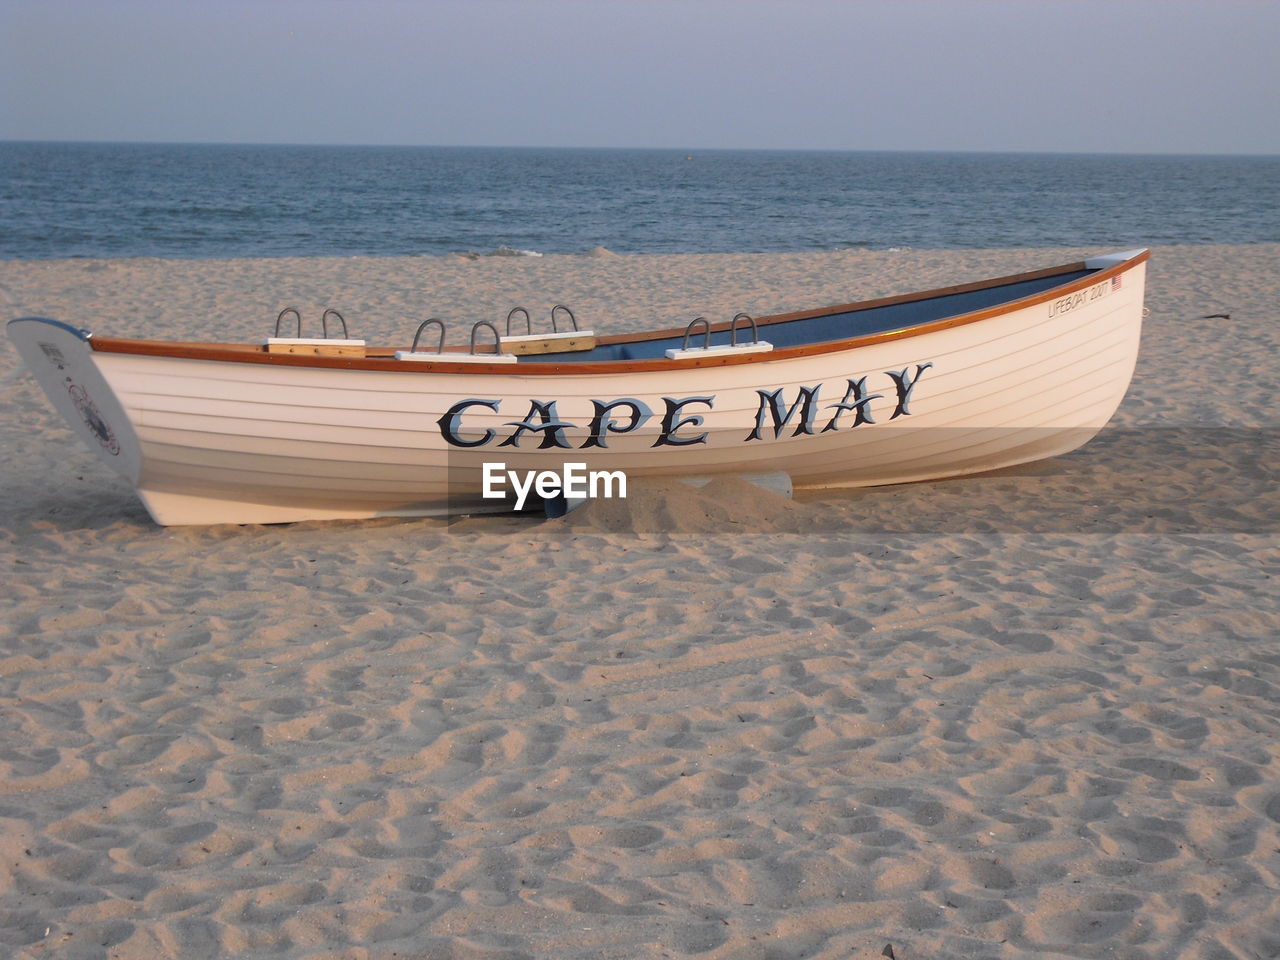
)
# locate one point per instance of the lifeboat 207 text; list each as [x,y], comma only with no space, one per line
[1076,300]
[680,419]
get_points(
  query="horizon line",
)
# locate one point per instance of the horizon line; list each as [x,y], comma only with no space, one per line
[688,150]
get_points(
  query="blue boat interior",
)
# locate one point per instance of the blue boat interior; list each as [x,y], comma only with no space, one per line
[832,326]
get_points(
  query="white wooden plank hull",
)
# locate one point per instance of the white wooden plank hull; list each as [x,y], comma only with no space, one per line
[210,441]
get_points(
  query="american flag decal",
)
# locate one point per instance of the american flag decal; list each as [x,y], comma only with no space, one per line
[1115,283]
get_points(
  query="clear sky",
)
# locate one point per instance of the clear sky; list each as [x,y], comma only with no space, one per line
[1180,76]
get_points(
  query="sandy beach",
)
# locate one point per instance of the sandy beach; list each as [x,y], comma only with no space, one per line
[1034,713]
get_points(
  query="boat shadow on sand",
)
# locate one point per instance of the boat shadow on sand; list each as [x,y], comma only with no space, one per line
[1153,480]
[1189,480]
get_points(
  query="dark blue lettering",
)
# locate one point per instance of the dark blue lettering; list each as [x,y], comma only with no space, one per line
[602,423]
[670,424]
[905,385]
[773,403]
[547,423]
[449,423]
[856,399]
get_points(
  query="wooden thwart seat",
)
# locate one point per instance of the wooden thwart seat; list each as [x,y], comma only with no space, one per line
[571,341]
[315,347]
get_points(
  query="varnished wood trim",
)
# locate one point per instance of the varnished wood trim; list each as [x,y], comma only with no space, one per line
[250,353]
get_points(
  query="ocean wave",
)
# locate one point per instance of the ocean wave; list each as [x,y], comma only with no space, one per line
[511,252]
[499,252]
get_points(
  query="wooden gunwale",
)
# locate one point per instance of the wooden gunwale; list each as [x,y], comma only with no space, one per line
[252,353]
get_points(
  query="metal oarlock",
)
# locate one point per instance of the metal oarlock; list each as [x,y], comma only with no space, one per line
[422,326]
[324,323]
[733,330]
[297,316]
[528,324]
[572,319]
[497,340]
[732,348]
[688,331]
[440,356]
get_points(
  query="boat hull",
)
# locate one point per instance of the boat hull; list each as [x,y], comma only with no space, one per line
[217,441]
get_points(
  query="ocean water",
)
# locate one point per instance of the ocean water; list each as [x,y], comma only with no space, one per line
[167,200]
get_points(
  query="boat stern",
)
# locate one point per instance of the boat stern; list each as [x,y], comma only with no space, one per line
[60,357]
